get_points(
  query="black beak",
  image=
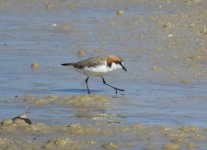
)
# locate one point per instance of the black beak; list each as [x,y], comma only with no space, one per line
[123,67]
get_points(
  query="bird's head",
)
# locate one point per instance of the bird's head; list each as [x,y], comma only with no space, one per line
[117,60]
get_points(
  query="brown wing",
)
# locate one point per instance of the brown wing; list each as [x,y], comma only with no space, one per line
[91,62]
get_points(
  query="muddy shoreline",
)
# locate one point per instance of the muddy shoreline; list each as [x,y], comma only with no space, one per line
[163,43]
[102,132]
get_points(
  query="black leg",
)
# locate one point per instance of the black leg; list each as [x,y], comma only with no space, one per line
[87,85]
[116,89]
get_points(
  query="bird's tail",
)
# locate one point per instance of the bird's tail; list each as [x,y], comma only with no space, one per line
[67,64]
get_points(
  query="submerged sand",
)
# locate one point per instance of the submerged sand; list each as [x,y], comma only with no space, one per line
[19,133]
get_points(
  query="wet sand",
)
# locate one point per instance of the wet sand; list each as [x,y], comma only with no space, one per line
[164,47]
[104,131]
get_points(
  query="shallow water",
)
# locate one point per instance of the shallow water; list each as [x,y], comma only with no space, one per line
[163,86]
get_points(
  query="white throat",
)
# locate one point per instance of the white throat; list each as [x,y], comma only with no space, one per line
[115,66]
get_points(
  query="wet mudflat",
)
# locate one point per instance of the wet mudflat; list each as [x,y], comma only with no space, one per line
[164,47]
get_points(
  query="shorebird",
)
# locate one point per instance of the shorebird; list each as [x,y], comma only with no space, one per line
[98,67]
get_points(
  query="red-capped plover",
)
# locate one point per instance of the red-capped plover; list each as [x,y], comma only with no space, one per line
[98,67]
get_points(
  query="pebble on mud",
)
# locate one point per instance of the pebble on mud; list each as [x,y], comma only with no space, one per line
[80,53]
[120,13]
[49,6]
[35,66]
[168,25]
[203,31]
[195,57]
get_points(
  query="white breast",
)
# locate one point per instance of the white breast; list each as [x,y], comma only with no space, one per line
[98,70]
